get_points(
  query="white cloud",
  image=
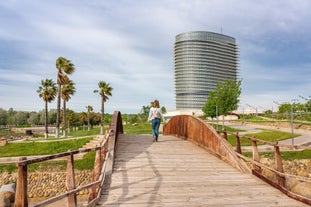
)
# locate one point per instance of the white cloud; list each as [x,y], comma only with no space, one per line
[130,45]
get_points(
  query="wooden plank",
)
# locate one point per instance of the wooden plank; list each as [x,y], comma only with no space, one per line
[175,172]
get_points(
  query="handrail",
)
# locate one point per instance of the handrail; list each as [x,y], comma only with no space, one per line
[102,169]
[278,171]
[195,130]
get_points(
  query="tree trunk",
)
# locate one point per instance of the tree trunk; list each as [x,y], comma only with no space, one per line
[58,111]
[102,118]
[68,126]
[64,118]
[88,121]
[46,121]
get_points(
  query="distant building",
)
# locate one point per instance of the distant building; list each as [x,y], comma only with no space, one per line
[201,59]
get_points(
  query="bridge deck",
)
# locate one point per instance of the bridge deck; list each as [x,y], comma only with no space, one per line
[175,172]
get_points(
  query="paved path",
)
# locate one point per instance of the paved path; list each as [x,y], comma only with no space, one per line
[303,139]
[175,172]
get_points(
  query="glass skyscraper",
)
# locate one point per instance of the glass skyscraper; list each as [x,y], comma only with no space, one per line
[201,59]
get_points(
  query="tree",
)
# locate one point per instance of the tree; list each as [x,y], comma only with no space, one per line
[163,110]
[83,118]
[89,110]
[68,90]
[105,91]
[225,98]
[210,106]
[285,108]
[47,91]
[63,67]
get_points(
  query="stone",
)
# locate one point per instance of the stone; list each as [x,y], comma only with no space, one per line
[4,202]
[7,195]
[303,189]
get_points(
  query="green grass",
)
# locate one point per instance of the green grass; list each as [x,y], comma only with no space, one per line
[41,148]
[286,155]
[86,163]
[140,128]
[266,135]
[85,132]
[228,129]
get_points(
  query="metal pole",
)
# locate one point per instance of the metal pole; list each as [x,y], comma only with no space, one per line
[292,122]
[216,117]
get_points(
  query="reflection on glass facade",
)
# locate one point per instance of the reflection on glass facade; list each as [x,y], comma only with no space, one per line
[201,60]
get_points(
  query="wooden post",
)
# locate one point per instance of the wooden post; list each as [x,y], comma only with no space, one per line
[21,199]
[70,181]
[256,157]
[96,174]
[238,143]
[279,166]
[225,134]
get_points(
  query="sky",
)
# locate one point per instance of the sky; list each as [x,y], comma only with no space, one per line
[129,44]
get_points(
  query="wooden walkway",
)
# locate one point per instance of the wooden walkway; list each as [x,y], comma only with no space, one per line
[175,172]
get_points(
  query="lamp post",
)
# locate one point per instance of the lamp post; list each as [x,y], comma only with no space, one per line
[292,118]
[255,108]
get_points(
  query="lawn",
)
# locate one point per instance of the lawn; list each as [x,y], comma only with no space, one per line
[41,148]
[140,128]
[266,135]
[44,148]
[53,146]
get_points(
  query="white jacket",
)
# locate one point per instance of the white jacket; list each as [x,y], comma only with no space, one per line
[151,112]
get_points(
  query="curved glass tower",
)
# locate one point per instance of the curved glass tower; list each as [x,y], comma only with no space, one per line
[201,59]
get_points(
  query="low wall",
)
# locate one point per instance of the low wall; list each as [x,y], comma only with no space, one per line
[48,184]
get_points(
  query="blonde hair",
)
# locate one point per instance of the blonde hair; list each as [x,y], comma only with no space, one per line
[156,104]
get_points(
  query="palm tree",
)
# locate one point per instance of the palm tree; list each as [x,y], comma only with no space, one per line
[89,110]
[47,91]
[104,92]
[68,89]
[83,118]
[63,67]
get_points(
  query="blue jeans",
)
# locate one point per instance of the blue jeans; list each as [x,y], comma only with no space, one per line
[155,127]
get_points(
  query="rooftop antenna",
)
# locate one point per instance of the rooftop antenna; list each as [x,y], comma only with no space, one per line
[221,29]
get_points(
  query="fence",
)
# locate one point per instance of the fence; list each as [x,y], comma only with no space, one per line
[195,130]
[103,166]
[278,171]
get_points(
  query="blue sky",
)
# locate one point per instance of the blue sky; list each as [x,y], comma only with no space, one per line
[129,44]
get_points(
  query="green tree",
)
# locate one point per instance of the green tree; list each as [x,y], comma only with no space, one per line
[163,110]
[68,90]
[225,98]
[3,117]
[284,108]
[64,67]
[34,118]
[209,108]
[47,91]
[105,91]
[144,112]
[83,118]
[89,110]
[308,106]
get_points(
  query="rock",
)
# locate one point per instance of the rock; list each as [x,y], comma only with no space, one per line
[303,189]
[7,195]
[4,202]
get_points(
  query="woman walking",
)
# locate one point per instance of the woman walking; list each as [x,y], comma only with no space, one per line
[155,116]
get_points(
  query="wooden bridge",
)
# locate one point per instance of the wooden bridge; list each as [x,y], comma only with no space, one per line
[175,172]
[191,165]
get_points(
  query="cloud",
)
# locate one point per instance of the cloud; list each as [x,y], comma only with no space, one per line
[130,45]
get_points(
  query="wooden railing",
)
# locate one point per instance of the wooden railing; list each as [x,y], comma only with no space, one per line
[277,171]
[102,171]
[197,131]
